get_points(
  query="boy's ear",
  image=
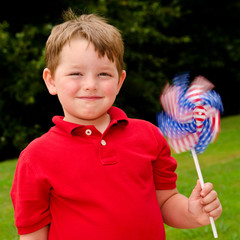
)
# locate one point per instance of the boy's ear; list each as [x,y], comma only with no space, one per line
[121,80]
[49,81]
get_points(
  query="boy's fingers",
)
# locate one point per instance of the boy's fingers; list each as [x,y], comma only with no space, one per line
[214,209]
[210,197]
[207,189]
[216,212]
[212,205]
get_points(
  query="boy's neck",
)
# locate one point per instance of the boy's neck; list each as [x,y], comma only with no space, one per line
[100,124]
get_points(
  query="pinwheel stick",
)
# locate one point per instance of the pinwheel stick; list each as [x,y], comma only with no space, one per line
[195,158]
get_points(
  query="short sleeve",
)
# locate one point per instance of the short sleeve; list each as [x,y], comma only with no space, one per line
[165,165]
[30,197]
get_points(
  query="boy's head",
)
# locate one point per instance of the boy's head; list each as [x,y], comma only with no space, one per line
[106,39]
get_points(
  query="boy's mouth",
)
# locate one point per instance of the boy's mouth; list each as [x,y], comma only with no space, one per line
[90,98]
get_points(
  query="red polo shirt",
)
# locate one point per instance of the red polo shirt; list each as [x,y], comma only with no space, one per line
[89,185]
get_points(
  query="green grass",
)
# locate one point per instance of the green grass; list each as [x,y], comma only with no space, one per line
[7,228]
[220,165]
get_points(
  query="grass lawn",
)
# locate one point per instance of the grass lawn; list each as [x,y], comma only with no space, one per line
[7,228]
[220,165]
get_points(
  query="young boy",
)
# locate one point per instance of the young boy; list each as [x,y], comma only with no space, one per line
[97,174]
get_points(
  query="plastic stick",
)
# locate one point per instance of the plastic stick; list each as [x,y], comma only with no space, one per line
[195,158]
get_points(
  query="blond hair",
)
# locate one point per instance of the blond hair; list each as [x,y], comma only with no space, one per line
[106,39]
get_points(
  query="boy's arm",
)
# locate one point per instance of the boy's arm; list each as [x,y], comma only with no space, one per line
[181,212]
[41,234]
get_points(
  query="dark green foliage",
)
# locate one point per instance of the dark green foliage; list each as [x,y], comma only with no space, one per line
[22,61]
[161,38]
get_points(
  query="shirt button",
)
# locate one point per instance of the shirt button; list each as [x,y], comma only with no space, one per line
[103,142]
[88,132]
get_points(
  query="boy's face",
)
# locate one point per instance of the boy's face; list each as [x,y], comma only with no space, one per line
[86,85]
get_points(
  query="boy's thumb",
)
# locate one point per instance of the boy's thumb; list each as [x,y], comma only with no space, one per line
[196,193]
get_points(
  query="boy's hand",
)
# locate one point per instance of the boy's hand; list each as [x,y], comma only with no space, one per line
[204,203]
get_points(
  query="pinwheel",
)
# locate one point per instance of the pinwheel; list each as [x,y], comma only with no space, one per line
[191,119]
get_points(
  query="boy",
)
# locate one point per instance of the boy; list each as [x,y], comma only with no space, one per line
[98,174]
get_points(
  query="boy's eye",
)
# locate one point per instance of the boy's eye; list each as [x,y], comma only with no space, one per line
[105,74]
[75,74]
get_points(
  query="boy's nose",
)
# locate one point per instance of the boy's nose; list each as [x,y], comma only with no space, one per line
[90,83]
